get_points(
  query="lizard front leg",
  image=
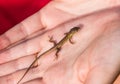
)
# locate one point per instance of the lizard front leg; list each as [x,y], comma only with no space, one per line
[71,41]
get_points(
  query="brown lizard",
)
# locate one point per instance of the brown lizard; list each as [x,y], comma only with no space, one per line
[56,47]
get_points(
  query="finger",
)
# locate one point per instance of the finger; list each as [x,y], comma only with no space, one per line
[34,23]
[36,81]
[24,49]
[24,62]
[33,45]
[15,77]
[22,30]
[101,76]
[13,66]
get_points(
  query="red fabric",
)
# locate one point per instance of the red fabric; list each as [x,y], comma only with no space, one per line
[14,11]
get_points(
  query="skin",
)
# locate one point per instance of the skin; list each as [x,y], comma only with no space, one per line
[57,47]
[94,57]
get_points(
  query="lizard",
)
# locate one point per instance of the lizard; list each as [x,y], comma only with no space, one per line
[57,47]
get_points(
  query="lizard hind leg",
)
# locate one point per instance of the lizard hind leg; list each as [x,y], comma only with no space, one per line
[52,40]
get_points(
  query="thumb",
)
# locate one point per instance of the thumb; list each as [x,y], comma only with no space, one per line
[102,75]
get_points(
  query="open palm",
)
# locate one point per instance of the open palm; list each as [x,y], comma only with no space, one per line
[92,59]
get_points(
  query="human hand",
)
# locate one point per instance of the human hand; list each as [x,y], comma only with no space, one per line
[73,67]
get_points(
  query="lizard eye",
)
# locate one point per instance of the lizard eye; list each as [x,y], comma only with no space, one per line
[76,28]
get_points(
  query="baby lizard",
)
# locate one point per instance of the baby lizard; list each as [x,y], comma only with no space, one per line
[56,47]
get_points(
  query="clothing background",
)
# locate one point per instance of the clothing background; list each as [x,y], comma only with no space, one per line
[14,11]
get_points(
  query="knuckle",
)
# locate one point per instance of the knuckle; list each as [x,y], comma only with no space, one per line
[23,29]
[4,41]
[28,48]
[5,56]
[37,71]
[10,79]
[17,64]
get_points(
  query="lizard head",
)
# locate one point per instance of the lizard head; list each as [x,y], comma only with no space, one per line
[76,29]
